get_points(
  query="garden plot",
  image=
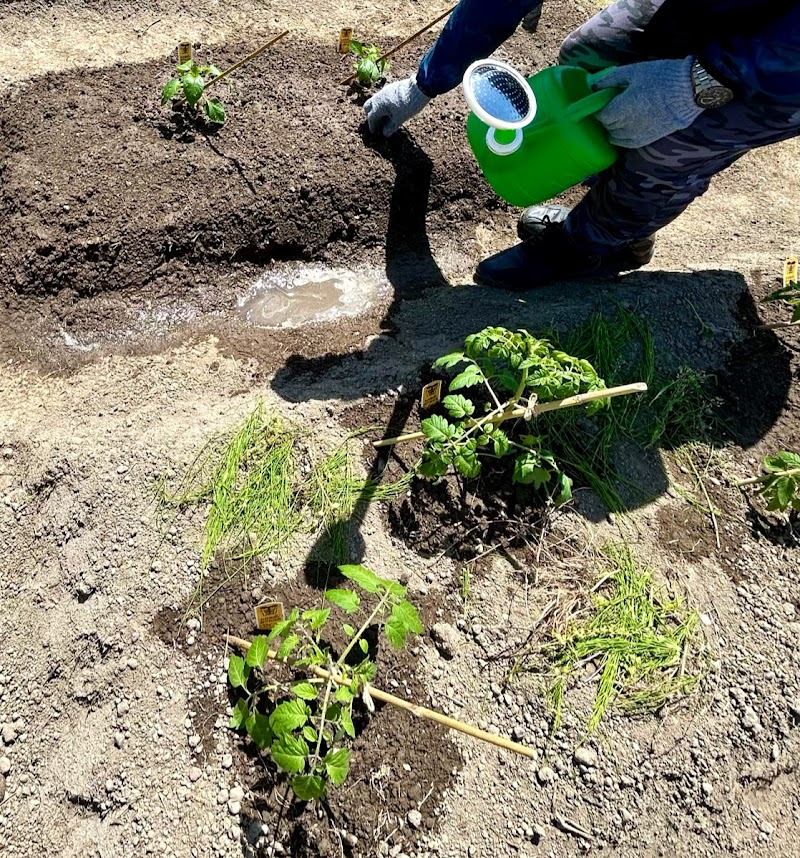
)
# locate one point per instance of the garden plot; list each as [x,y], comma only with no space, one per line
[136,253]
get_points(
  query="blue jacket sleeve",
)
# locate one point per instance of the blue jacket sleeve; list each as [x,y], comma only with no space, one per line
[472,32]
[763,65]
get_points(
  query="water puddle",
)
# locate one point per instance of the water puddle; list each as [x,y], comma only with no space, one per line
[290,297]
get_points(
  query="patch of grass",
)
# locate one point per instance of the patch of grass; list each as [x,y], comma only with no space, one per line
[247,479]
[636,635]
[336,497]
[676,409]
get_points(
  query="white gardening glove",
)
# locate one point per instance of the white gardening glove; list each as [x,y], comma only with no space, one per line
[395,104]
[657,100]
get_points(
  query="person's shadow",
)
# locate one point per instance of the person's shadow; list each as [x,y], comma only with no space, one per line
[413,333]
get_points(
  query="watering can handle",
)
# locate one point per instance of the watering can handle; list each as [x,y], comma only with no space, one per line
[591,104]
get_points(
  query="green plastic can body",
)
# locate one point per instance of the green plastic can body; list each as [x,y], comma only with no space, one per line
[563,146]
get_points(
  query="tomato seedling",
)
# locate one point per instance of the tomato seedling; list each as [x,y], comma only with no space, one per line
[369,67]
[517,371]
[189,86]
[305,721]
[780,484]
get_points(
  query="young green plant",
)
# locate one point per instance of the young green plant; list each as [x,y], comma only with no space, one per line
[306,722]
[188,86]
[515,371]
[789,294]
[369,67]
[780,484]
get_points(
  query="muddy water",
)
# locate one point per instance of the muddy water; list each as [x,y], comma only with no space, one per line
[291,298]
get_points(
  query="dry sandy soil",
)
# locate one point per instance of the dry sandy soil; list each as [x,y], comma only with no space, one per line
[127,247]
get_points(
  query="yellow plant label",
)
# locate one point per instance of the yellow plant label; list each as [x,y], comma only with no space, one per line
[184,51]
[345,35]
[268,615]
[431,394]
[790,271]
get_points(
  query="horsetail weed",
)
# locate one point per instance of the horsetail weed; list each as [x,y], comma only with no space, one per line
[636,635]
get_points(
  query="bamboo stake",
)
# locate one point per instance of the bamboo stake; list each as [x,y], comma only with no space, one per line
[777,326]
[418,711]
[247,59]
[539,408]
[402,44]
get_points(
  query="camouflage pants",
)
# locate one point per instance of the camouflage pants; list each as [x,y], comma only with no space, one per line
[649,187]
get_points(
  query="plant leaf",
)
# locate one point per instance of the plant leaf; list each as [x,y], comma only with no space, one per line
[348,630]
[316,619]
[344,694]
[501,443]
[449,360]
[215,110]
[240,712]
[287,716]
[308,787]
[363,577]
[193,87]
[364,646]
[337,764]
[347,600]
[290,753]
[257,726]
[468,377]
[305,690]
[436,428]
[238,672]
[309,733]
[184,67]
[257,654]
[403,621]
[170,89]
[286,647]
[458,405]
[563,490]
[347,723]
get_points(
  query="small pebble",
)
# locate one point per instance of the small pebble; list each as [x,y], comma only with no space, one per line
[585,757]
[545,775]
[5,765]
[195,774]
[414,818]
[194,741]
[227,761]
[234,807]
[119,739]
[237,794]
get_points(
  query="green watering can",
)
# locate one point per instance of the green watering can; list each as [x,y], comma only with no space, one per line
[535,138]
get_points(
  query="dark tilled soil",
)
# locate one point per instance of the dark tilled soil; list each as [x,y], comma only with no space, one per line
[399,763]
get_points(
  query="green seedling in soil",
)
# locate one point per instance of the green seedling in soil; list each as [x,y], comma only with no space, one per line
[512,369]
[780,484]
[677,409]
[369,67]
[636,636]
[189,86]
[306,720]
[790,294]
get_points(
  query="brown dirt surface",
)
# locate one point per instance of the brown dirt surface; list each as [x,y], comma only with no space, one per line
[130,246]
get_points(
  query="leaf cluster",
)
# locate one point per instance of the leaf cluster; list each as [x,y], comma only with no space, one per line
[189,83]
[305,723]
[513,369]
[368,67]
[790,293]
[780,486]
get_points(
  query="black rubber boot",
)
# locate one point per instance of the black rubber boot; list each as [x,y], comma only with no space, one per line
[550,254]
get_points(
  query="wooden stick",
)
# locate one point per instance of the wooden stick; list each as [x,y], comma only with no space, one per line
[247,59]
[402,44]
[777,326]
[418,711]
[539,408]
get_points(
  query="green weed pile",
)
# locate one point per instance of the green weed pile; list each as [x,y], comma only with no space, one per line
[636,635]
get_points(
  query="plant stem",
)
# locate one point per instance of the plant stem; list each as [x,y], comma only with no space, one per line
[357,636]
[792,472]
[322,720]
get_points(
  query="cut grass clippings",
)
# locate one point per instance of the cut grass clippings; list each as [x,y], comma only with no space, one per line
[636,635]
[258,499]
[677,409]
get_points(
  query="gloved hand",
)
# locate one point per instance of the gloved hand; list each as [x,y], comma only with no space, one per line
[395,104]
[658,100]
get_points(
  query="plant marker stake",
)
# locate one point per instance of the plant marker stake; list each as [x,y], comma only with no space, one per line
[402,44]
[539,408]
[792,472]
[419,711]
[247,59]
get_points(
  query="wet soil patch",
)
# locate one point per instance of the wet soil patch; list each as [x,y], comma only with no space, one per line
[399,763]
